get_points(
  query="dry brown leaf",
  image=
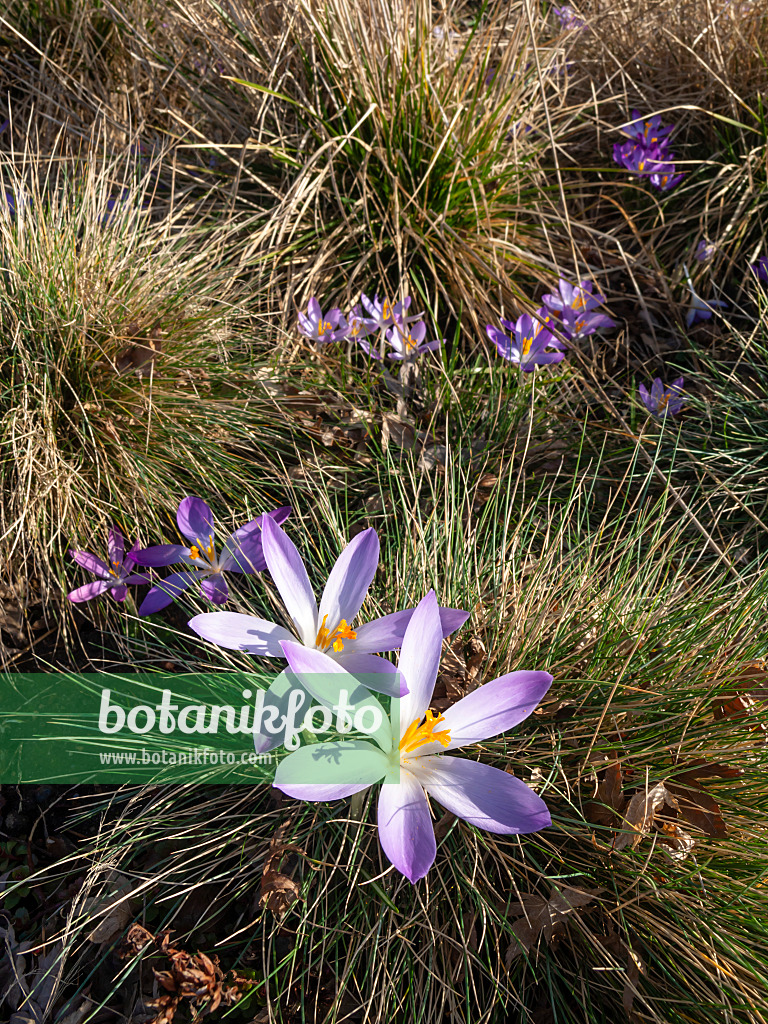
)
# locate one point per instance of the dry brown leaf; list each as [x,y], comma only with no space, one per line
[114,902]
[609,798]
[700,809]
[641,812]
[675,841]
[547,917]
[278,891]
[396,432]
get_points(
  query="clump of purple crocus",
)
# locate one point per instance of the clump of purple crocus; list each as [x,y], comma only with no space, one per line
[114,578]
[568,18]
[573,307]
[241,553]
[647,152]
[407,756]
[402,332]
[525,341]
[663,401]
[760,268]
[322,327]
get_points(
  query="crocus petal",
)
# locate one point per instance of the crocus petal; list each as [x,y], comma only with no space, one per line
[119,592]
[160,554]
[340,768]
[491,709]
[135,578]
[116,546]
[377,674]
[328,681]
[162,594]
[405,827]
[274,720]
[386,633]
[350,579]
[91,563]
[195,520]
[238,632]
[287,570]
[215,588]
[89,591]
[420,659]
[484,796]
[243,552]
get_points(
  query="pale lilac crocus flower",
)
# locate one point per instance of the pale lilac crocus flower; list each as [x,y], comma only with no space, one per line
[662,401]
[329,628]
[407,754]
[241,553]
[526,341]
[322,327]
[114,578]
[408,342]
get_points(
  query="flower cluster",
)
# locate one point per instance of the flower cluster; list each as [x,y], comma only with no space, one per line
[328,653]
[570,311]
[404,334]
[647,153]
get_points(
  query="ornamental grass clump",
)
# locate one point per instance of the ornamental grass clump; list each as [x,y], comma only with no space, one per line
[119,372]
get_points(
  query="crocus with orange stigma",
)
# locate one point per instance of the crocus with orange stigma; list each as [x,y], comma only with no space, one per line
[526,341]
[113,578]
[407,756]
[322,327]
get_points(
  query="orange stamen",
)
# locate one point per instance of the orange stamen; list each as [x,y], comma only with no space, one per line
[417,735]
[326,637]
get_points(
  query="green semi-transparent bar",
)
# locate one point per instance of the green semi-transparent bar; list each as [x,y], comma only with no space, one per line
[219,727]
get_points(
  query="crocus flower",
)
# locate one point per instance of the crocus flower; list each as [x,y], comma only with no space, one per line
[407,755]
[384,315]
[241,552]
[408,342]
[705,250]
[648,132]
[663,401]
[700,309]
[114,578]
[526,342]
[328,628]
[322,327]
[578,297]
[761,269]
[663,175]
[568,18]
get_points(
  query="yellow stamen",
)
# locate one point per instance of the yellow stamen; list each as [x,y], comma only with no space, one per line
[579,325]
[326,637]
[527,342]
[194,552]
[385,310]
[113,571]
[579,302]
[641,165]
[416,735]
[323,327]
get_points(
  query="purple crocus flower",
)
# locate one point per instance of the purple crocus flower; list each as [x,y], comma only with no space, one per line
[382,315]
[701,309]
[408,342]
[322,327]
[407,754]
[526,342]
[114,578]
[241,552]
[577,297]
[663,175]
[648,132]
[327,629]
[705,250]
[663,401]
[568,18]
[761,269]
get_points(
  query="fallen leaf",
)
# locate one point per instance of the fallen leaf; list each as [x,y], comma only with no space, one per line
[547,917]
[677,843]
[640,814]
[700,809]
[609,799]
[114,906]
[278,891]
[397,432]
